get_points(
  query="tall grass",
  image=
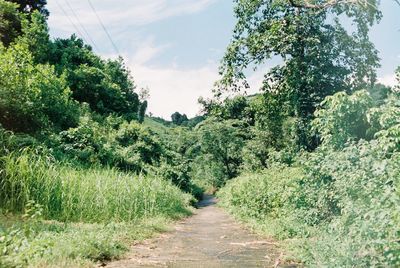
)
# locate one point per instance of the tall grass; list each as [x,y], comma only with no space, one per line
[85,195]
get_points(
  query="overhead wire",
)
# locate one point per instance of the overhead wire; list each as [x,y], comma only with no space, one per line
[104,27]
[72,23]
[49,80]
[82,26]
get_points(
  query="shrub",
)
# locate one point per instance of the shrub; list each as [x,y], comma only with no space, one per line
[140,141]
[354,191]
[86,143]
[268,198]
[343,118]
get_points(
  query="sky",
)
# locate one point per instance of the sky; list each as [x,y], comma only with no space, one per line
[173,47]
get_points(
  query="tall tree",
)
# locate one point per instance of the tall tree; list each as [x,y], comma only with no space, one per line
[219,149]
[142,111]
[29,6]
[13,18]
[10,22]
[107,86]
[178,119]
[319,56]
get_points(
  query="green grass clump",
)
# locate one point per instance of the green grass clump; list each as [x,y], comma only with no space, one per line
[38,243]
[85,195]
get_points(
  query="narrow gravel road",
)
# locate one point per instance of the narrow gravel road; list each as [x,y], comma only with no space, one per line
[211,238]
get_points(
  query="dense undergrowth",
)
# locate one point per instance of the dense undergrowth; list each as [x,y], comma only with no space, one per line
[339,205]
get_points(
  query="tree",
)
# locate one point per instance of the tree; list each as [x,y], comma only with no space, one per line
[379,93]
[178,119]
[219,150]
[12,16]
[319,56]
[29,6]
[10,22]
[342,118]
[142,111]
[35,33]
[310,4]
[144,94]
[106,85]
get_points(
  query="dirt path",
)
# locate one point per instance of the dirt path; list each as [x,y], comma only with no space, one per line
[211,238]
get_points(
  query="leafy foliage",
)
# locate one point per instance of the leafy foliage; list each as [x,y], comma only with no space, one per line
[32,96]
[345,195]
[10,22]
[178,119]
[218,150]
[343,118]
[30,6]
[315,157]
[318,56]
[106,86]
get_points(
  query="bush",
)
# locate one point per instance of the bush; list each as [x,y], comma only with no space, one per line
[110,142]
[139,142]
[267,199]
[85,143]
[343,118]
[179,174]
[356,193]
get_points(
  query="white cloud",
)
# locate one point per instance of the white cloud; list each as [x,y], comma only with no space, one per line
[388,80]
[173,89]
[121,13]
[147,51]
[177,89]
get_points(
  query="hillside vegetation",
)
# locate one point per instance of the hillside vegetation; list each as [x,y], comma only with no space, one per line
[81,177]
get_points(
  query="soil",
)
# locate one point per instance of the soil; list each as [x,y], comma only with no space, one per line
[210,238]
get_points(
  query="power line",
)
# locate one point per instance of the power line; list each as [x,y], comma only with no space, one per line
[82,26]
[104,28]
[73,24]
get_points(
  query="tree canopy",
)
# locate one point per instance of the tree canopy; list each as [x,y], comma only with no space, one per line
[318,55]
[29,6]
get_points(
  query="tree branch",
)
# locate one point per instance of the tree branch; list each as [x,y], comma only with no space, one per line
[328,4]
